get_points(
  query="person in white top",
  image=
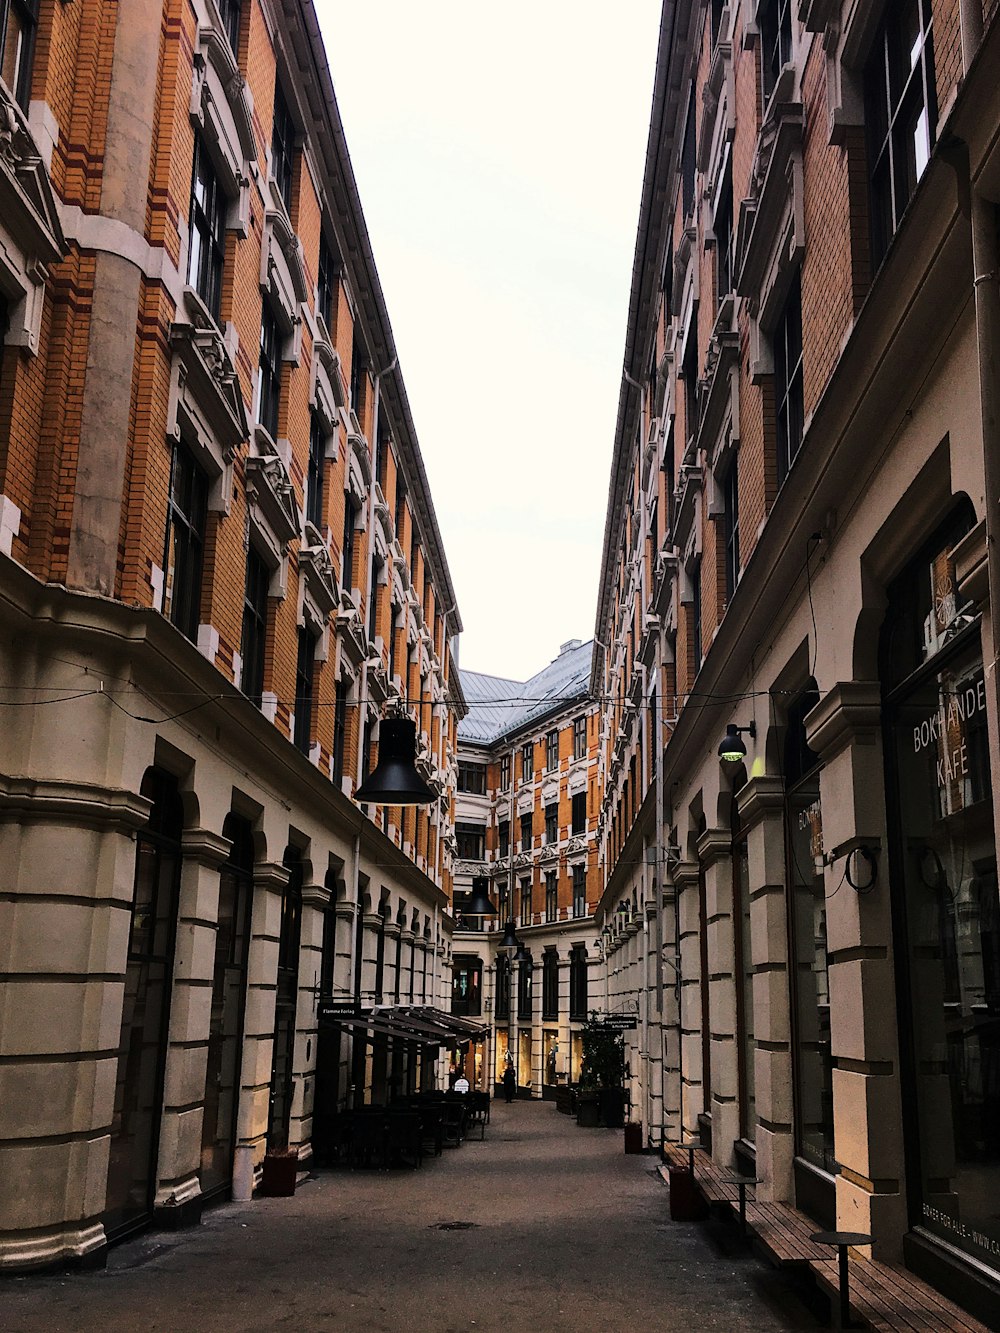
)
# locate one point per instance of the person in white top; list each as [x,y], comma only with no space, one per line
[461,1084]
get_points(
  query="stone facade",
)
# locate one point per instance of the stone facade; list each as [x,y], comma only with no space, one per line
[219,568]
[801,539]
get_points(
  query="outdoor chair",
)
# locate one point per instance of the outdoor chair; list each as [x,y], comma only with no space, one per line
[453,1123]
[368,1140]
[431,1126]
[479,1112]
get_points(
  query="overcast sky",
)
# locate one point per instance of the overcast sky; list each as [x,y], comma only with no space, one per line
[499,154]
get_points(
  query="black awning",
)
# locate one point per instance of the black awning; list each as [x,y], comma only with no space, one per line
[379,1025]
[426,1018]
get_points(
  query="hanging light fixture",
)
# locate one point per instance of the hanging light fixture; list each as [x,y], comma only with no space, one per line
[731,749]
[510,940]
[479,902]
[523,955]
[395,780]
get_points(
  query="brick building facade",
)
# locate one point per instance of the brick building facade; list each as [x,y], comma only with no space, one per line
[802,540]
[525,819]
[219,568]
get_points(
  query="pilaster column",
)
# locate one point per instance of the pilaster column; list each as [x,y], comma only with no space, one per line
[406,987]
[651,1031]
[179,1154]
[371,925]
[845,729]
[67,882]
[761,805]
[682,1001]
[269,882]
[389,974]
[715,854]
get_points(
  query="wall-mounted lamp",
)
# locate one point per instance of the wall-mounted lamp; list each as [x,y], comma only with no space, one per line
[732,750]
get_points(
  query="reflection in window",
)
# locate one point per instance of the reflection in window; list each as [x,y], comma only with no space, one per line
[18,21]
[947,899]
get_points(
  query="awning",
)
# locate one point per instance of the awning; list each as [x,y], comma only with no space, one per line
[378,1027]
[425,1018]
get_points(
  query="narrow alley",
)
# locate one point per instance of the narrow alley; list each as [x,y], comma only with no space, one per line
[543,1226]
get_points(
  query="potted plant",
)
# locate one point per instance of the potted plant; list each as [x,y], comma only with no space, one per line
[279,1171]
[601,1095]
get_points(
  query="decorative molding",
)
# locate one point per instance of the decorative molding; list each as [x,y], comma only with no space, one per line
[849,712]
[31,235]
[771,228]
[222,107]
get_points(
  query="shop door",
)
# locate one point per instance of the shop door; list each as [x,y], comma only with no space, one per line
[282,1085]
[947,915]
[225,1038]
[135,1127]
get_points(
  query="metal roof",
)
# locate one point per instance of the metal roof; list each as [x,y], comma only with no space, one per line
[499,707]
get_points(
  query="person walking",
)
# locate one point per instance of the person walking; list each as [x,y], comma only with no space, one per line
[509,1083]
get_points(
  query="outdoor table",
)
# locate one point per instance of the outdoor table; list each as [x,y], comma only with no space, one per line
[741,1183]
[842,1239]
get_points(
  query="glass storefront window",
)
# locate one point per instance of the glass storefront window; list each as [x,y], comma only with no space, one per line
[550,1056]
[811,989]
[575,1057]
[946,901]
[524,1059]
[501,1057]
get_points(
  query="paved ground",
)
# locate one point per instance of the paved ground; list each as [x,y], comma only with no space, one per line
[568,1235]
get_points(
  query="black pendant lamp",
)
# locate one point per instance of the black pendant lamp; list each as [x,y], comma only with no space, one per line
[510,940]
[523,955]
[395,780]
[479,902]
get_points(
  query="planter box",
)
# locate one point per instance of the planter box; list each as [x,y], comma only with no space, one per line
[685,1199]
[278,1175]
[588,1110]
[633,1137]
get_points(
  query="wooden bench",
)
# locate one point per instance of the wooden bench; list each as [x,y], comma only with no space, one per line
[892,1298]
[709,1178]
[782,1232]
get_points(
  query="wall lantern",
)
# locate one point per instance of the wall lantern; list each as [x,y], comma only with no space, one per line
[732,750]
[395,780]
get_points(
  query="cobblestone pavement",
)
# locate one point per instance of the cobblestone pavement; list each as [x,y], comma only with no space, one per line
[567,1235]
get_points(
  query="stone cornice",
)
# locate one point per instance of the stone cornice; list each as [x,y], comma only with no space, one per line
[850,711]
[271,875]
[207,848]
[85,804]
[760,797]
[316,895]
[713,845]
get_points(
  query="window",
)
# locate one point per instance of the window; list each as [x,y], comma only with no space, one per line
[503,837]
[502,1007]
[775,21]
[580,890]
[717,8]
[185,543]
[504,772]
[526,833]
[788,380]
[471,839]
[504,901]
[578,982]
[731,502]
[326,285]
[366,749]
[725,236]
[579,812]
[472,777]
[254,635]
[689,370]
[347,551]
[268,373]
[383,447]
[18,21]
[579,737]
[339,729]
[527,761]
[206,230]
[229,12]
[901,114]
[688,159]
[524,998]
[400,507]
[282,148]
[305,670]
[377,567]
[551,896]
[467,986]
[552,823]
[358,378]
[696,650]
[550,984]
[316,474]
[552,751]
[526,905]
